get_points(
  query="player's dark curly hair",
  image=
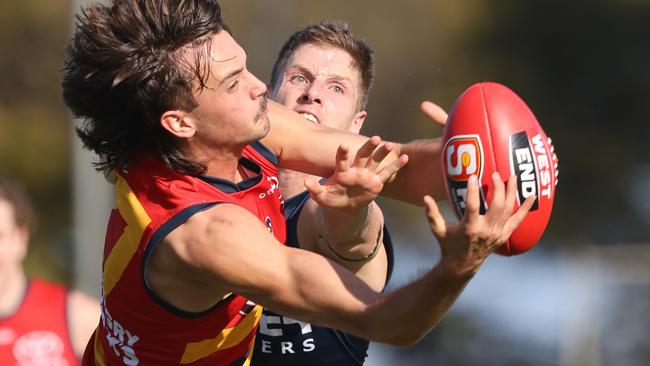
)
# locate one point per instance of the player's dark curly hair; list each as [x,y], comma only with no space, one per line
[336,34]
[129,63]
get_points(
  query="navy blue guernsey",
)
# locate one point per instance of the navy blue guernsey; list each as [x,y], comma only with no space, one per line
[283,341]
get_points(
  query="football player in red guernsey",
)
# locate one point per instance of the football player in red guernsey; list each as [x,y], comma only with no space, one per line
[41,323]
[194,242]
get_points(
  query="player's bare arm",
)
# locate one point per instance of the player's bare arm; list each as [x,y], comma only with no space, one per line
[341,221]
[226,249]
[309,148]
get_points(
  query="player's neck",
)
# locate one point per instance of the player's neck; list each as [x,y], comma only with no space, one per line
[222,163]
[292,182]
[12,290]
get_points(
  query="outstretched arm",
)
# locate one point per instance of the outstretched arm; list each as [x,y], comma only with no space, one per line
[226,249]
[311,148]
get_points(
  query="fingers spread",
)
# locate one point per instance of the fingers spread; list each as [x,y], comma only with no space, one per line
[511,196]
[379,155]
[388,171]
[342,158]
[473,202]
[497,204]
[365,151]
[314,187]
[436,221]
[520,215]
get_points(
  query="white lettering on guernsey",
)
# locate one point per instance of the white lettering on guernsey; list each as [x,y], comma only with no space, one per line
[271,326]
[274,186]
[287,347]
[542,166]
[266,347]
[277,331]
[264,325]
[304,327]
[120,339]
[308,345]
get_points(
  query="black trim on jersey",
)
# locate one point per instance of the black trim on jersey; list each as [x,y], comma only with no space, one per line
[353,345]
[240,362]
[390,254]
[227,186]
[292,209]
[266,152]
[156,238]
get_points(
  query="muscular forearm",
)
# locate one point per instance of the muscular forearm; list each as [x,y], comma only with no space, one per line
[411,312]
[344,302]
[352,234]
[421,176]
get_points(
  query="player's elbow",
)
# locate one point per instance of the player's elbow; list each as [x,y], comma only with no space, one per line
[401,336]
[403,340]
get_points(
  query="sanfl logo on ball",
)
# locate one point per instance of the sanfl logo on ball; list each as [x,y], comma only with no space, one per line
[463,157]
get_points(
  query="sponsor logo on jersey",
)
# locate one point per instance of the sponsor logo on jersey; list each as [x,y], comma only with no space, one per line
[274,185]
[119,339]
[463,157]
[39,348]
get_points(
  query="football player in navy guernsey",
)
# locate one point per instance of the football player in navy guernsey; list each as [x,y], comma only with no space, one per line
[325,73]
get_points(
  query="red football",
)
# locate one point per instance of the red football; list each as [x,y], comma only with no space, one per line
[491,129]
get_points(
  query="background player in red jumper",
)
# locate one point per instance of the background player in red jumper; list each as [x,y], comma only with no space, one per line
[41,323]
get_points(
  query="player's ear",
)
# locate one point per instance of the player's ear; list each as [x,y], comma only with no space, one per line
[357,122]
[178,124]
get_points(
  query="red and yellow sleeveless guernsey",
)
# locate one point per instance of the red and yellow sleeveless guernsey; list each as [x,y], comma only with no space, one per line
[139,328]
[37,333]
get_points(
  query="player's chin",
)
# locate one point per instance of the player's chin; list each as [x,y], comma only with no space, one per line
[265,125]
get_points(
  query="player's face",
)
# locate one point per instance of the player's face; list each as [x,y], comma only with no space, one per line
[321,83]
[232,108]
[13,240]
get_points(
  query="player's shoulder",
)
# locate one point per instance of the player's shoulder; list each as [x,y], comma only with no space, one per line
[227,221]
[222,213]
